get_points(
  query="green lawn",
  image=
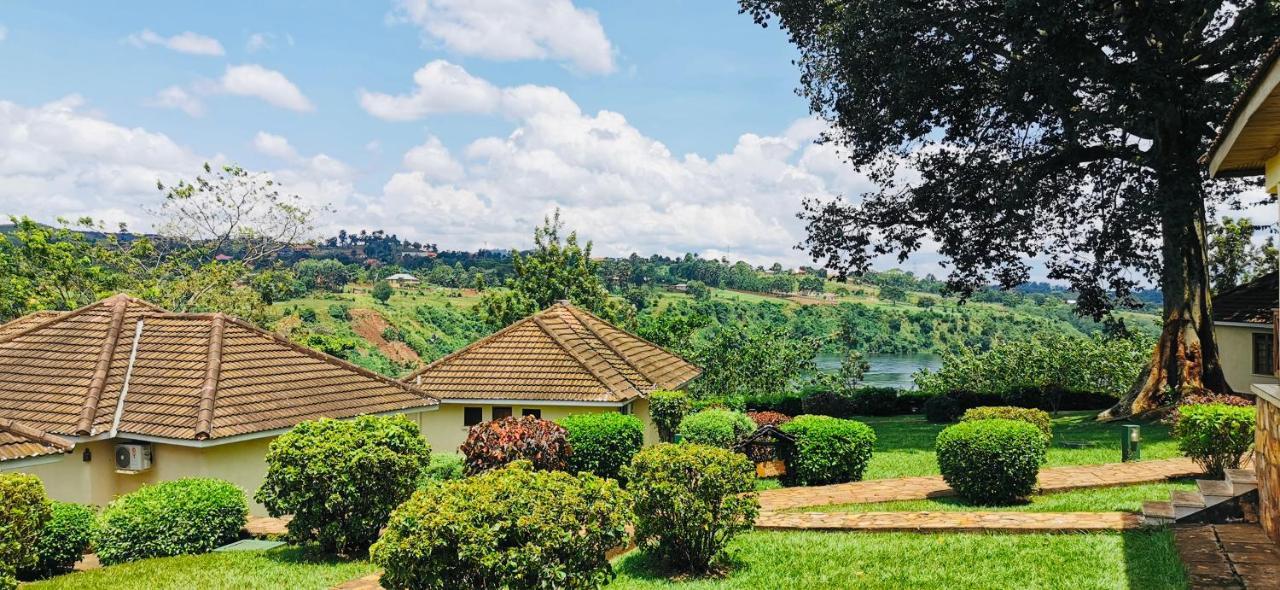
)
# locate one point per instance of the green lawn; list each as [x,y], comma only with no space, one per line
[787,560]
[904,444]
[287,567]
[1118,499]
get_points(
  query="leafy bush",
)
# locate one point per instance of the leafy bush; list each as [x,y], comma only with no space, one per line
[24,510]
[443,467]
[1215,435]
[827,450]
[180,517]
[392,334]
[768,418]
[495,443]
[690,501]
[307,314]
[716,427]
[63,540]
[512,528]
[1038,418]
[381,291]
[790,403]
[340,479]
[340,311]
[602,443]
[941,409]
[991,461]
[667,409]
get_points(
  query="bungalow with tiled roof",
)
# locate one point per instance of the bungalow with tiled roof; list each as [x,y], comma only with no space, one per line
[100,400]
[557,362]
[1243,328]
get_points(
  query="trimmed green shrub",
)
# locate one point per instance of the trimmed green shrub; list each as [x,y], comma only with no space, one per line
[1038,418]
[512,528]
[790,403]
[667,409]
[941,409]
[340,479]
[827,450]
[1215,435]
[602,443]
[24,510]
[716,427]
[991,461]
[495,443]
[180,517]
[443,467]
[690,501]
[63,540]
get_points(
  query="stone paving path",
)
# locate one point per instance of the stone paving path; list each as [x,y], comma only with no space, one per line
[917,488]
[1228,556]
[266,526]
[951,522]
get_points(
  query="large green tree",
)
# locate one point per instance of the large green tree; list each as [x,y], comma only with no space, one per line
[1011,130]
[1233,257]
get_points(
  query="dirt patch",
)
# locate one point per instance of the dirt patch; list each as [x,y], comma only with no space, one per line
[369,324]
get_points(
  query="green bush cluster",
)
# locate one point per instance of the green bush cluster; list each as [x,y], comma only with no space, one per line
[667,409]
[690,501]
[991,461]
[340,311]
[24,510]
[941,409]
[1038,418]
[602,443]
[340,479]
[716,427]
[512,528]
[827,450]
[495,443]
[443,467]
[62,541]
[1216,436]
[180,517]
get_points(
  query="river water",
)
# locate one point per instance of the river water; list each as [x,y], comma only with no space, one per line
[887,370]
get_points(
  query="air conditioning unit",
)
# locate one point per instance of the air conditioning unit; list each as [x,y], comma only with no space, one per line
[133,457]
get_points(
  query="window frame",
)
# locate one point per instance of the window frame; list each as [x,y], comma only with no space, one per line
[535,412]
[1262,359]
[466,418]
[493,413]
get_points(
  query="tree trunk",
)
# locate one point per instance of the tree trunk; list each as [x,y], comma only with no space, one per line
[1185,359]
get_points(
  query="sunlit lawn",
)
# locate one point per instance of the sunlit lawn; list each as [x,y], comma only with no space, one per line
[811,560]
[286,567]
[1117,499]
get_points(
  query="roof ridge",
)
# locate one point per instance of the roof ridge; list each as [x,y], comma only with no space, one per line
[106,353]
[212,373]
[644,340]
[33,433]
[466,348]
[614,349]
[64,315]
[624,360]
[537,319]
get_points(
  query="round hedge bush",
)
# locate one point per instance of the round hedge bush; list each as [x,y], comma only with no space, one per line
[941,409]
[63,540]
[991,461]
[1215,435]
[512,528]
[827,450]
[24,510]
[602,443]
[180,517]
[494,444]
[716,427]
[667,409]
[690,501]
[1038,418]
[340,479]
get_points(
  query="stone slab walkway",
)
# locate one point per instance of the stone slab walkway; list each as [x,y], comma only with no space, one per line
[918,488]
[950,522]
[1228,556]
[266,526]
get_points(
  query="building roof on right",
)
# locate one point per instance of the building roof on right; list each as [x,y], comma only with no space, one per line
[1249,142]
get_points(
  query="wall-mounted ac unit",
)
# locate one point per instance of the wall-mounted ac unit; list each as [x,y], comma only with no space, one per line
[133,457]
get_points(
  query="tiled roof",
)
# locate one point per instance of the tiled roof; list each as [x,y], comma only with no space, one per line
[184,376]
[560,354]
[19,441]
[1251,302]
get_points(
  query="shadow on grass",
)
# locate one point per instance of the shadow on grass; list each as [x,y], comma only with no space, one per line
[642,565]
[304,555]
[1151,560]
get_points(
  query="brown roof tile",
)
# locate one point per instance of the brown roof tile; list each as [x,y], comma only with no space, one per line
[1251,302]
[19,441]
[185,376]
[560,354]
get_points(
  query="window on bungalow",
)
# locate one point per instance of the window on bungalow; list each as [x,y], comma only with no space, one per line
[472,416]
[535,412]
[500,412]
[1263,354]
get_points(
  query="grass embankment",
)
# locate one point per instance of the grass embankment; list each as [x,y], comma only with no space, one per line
[286,567]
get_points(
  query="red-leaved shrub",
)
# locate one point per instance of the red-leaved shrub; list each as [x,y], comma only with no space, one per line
[495,443]
[768,418]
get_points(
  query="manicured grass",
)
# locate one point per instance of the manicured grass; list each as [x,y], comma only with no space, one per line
[1139,560]
[904,444]
[286,567]
[1118,499]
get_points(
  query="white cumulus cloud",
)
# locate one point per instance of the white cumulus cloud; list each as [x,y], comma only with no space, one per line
[185,42]
[515,30]
[441,87]
[175,97]
[269,85]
